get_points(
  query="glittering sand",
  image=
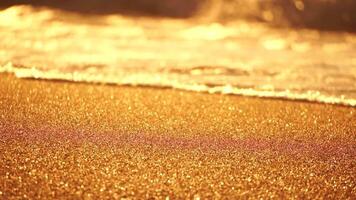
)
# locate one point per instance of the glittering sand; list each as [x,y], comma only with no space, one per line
[74,140]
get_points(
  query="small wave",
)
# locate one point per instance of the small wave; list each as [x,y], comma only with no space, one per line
[177,82]
[241,58]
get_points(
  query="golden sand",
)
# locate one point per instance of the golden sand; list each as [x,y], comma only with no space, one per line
[72,141]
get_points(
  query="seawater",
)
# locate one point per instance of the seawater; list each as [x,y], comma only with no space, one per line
[235,57]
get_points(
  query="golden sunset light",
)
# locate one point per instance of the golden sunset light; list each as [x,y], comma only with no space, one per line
[178,99]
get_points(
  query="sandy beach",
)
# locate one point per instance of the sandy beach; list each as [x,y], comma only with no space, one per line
[159,99]
[74,140]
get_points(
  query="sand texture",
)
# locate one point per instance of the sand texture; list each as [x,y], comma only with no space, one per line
[62,140]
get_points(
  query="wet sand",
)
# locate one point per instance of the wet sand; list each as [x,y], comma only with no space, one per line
[75,140]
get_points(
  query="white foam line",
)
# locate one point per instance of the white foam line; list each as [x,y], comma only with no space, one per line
[313,96]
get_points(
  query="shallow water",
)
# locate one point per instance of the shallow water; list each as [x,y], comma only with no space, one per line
[236,57]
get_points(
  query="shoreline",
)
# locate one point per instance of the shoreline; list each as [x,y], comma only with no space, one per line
[219,90]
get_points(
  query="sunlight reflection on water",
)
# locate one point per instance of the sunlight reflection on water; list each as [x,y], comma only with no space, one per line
[237,57]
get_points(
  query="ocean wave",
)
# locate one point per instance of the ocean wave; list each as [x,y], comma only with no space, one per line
[238,57]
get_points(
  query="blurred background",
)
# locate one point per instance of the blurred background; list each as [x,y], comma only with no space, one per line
[227,46]
[336,15]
